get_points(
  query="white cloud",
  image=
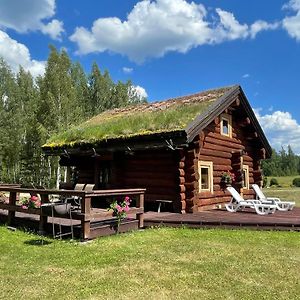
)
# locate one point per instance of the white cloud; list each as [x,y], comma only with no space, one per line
[28,15]
[127,70]
[229,28]
[140,91]
[246,75]
[16,54]
[54,29]
[281,129]
[292,24]
[154,28]
[260,25]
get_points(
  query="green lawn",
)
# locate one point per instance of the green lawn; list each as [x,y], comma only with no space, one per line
[153,264]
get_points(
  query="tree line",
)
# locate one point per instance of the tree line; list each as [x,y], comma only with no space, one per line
[33,109]
[282,163]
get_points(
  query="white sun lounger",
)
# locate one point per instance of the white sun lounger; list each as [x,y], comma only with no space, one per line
[237,202]
[280,205]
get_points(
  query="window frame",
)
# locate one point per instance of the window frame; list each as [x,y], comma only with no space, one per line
[207,165]
[246,183]
[228,119]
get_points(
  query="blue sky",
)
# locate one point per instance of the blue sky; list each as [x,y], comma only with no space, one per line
[171,48]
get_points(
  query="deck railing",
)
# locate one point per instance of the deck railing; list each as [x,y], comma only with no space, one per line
[85,214]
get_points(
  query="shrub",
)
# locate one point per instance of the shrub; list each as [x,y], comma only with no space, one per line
[265,181]
[296,182]
[273,181]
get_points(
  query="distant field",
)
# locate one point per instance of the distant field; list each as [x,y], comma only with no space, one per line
[284,181]
[285,191]
[291,193]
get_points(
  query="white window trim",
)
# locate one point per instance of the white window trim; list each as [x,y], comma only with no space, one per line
[227,118]
[209,166]
[246,184]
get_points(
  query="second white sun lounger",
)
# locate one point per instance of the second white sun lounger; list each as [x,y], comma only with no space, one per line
[280,205]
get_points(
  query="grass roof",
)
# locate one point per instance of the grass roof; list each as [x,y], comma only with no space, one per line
[165,116]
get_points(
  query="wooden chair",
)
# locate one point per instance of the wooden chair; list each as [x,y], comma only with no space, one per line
[80,187]
[237,203]
[280,205]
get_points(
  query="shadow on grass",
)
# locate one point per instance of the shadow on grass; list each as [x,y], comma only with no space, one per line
[37,242]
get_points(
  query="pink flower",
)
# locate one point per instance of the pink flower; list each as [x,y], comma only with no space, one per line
[34,198]
[119,208]
[24,206]
[127,200]
[126,208]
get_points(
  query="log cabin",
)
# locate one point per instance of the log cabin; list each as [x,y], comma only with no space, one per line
[178,149]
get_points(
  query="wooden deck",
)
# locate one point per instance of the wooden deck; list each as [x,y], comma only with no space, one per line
[289,220]
[89,221]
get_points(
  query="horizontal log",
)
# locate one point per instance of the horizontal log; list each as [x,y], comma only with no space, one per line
[247,158]
[215,160]
[212,146]
[223,138]
[215,200]
[156,175]
[162,190]
[145,182]
[182,196]
[181,180]
[225,144]
[215,153]
[222,168]
[154,197]
[182,188]
[149,163]
[181,172]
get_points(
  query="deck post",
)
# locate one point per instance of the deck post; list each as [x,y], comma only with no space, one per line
[85,222]
[139,204]
[11,213]
[43,218]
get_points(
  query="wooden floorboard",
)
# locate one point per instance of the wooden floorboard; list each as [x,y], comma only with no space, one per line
[289,220]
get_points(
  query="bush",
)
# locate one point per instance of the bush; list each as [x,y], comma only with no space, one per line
[273,181]
[265,181]
[296,182]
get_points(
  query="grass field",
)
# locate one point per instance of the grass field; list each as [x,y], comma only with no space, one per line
[283,181]
[286,191]
[292,193]
[153,264]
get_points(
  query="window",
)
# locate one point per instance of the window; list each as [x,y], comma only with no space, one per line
[205,169]
[226,125]
[246,177]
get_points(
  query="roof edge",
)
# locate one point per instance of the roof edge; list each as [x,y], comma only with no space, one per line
[218,107]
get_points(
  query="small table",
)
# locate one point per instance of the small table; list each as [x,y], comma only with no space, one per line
[160,201]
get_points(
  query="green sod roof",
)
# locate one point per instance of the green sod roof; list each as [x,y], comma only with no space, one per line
[159,117]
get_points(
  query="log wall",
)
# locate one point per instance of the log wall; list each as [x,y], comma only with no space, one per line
[159,171]
[222,151]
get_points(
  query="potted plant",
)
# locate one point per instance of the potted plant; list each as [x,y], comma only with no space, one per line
[30,202]
[120,209]
[227,178]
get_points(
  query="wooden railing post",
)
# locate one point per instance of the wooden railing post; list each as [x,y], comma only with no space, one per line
[85,222]
[140,204]
[11,214]
[43,218]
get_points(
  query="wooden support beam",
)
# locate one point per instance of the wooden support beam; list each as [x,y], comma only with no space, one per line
[140,204]
[12,201]
[85,223]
